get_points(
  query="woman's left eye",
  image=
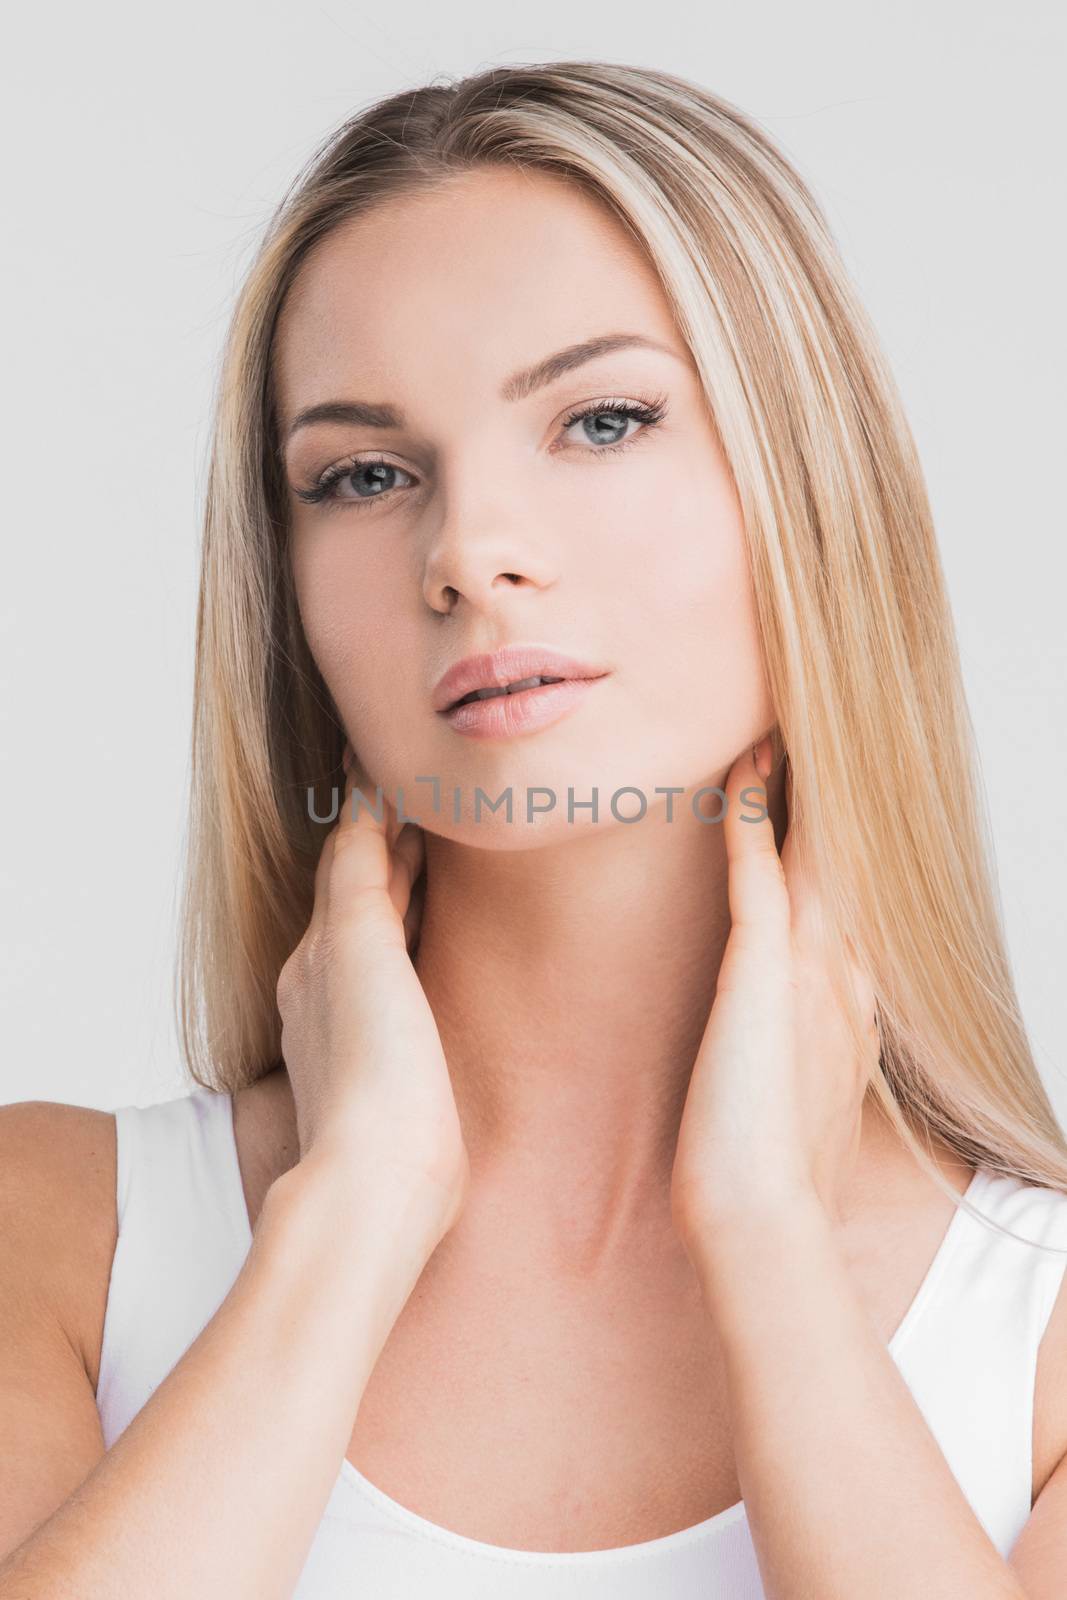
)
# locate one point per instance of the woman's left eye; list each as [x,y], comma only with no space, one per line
[604,424]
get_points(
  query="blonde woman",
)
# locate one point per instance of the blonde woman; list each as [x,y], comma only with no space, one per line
[646,1190]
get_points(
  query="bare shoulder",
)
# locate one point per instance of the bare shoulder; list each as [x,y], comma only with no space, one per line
[58,1224]
[1050,1384]
[899,1218]
[57,1236]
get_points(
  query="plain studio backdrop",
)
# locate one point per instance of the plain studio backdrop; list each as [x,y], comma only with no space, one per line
[145,149]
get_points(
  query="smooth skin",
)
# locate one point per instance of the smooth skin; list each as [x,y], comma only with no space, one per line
[589,1120]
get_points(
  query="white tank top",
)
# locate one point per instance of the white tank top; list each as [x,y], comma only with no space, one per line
[967,1348]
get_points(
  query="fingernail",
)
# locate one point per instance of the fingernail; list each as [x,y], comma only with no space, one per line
[346,757]
[761,755]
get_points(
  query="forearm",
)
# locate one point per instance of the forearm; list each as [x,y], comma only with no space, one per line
[846,1490]
[216,1486]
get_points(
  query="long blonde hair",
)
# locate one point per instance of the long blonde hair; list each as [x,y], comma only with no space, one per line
[857,634]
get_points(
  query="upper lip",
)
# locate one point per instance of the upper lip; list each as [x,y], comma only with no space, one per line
[507,665]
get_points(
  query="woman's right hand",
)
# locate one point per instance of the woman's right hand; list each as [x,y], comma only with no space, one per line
[370,1083]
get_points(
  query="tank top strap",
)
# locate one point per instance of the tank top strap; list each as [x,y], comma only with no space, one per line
[182,1238]
[970,1359]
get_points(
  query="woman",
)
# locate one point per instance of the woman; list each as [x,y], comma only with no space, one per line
[644,1190]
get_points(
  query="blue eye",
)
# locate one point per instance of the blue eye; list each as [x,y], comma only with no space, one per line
[374,470]
[601,413]
[325,488]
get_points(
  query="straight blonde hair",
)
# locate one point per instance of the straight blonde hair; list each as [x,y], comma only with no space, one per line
[857,633]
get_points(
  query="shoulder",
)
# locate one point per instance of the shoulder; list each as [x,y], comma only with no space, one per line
[909,1208]
[58,1224]
[1050,1382]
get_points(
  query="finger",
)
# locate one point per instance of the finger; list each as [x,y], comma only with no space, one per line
[812,929]
[865,994]
[321,890]
[757,889]
[360,860]
[807,914]
[407,861]
[413,914]
[393,825]
[322,880]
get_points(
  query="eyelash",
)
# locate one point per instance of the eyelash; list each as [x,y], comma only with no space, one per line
[637,411]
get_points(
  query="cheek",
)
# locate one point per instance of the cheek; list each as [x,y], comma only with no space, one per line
[349,616]
[685,611]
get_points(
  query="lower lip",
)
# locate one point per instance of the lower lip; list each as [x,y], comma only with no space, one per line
[507,716]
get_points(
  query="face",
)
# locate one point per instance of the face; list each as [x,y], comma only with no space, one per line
[454,514]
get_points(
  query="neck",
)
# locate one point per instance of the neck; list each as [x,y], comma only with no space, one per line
[572,984]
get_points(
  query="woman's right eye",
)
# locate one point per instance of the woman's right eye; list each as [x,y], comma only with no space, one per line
[366,478]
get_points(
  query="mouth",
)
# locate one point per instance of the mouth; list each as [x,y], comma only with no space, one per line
[519,671]
[519,686]
[519,709]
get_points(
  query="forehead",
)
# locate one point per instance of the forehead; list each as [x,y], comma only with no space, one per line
[489,268]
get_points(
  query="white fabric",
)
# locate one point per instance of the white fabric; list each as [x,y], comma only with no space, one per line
[967,1348]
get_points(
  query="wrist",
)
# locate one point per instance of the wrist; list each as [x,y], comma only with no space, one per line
[755,1234]
[375,1237]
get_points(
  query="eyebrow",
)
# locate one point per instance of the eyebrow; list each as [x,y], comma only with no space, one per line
[517,387]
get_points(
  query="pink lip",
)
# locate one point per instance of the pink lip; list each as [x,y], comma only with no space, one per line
[505,666]
[507,716]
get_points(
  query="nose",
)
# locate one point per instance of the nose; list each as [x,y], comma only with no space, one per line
[478,553]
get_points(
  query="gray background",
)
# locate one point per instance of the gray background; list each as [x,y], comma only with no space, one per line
[145,149]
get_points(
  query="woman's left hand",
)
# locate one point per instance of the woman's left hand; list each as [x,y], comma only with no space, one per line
[773,1110]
